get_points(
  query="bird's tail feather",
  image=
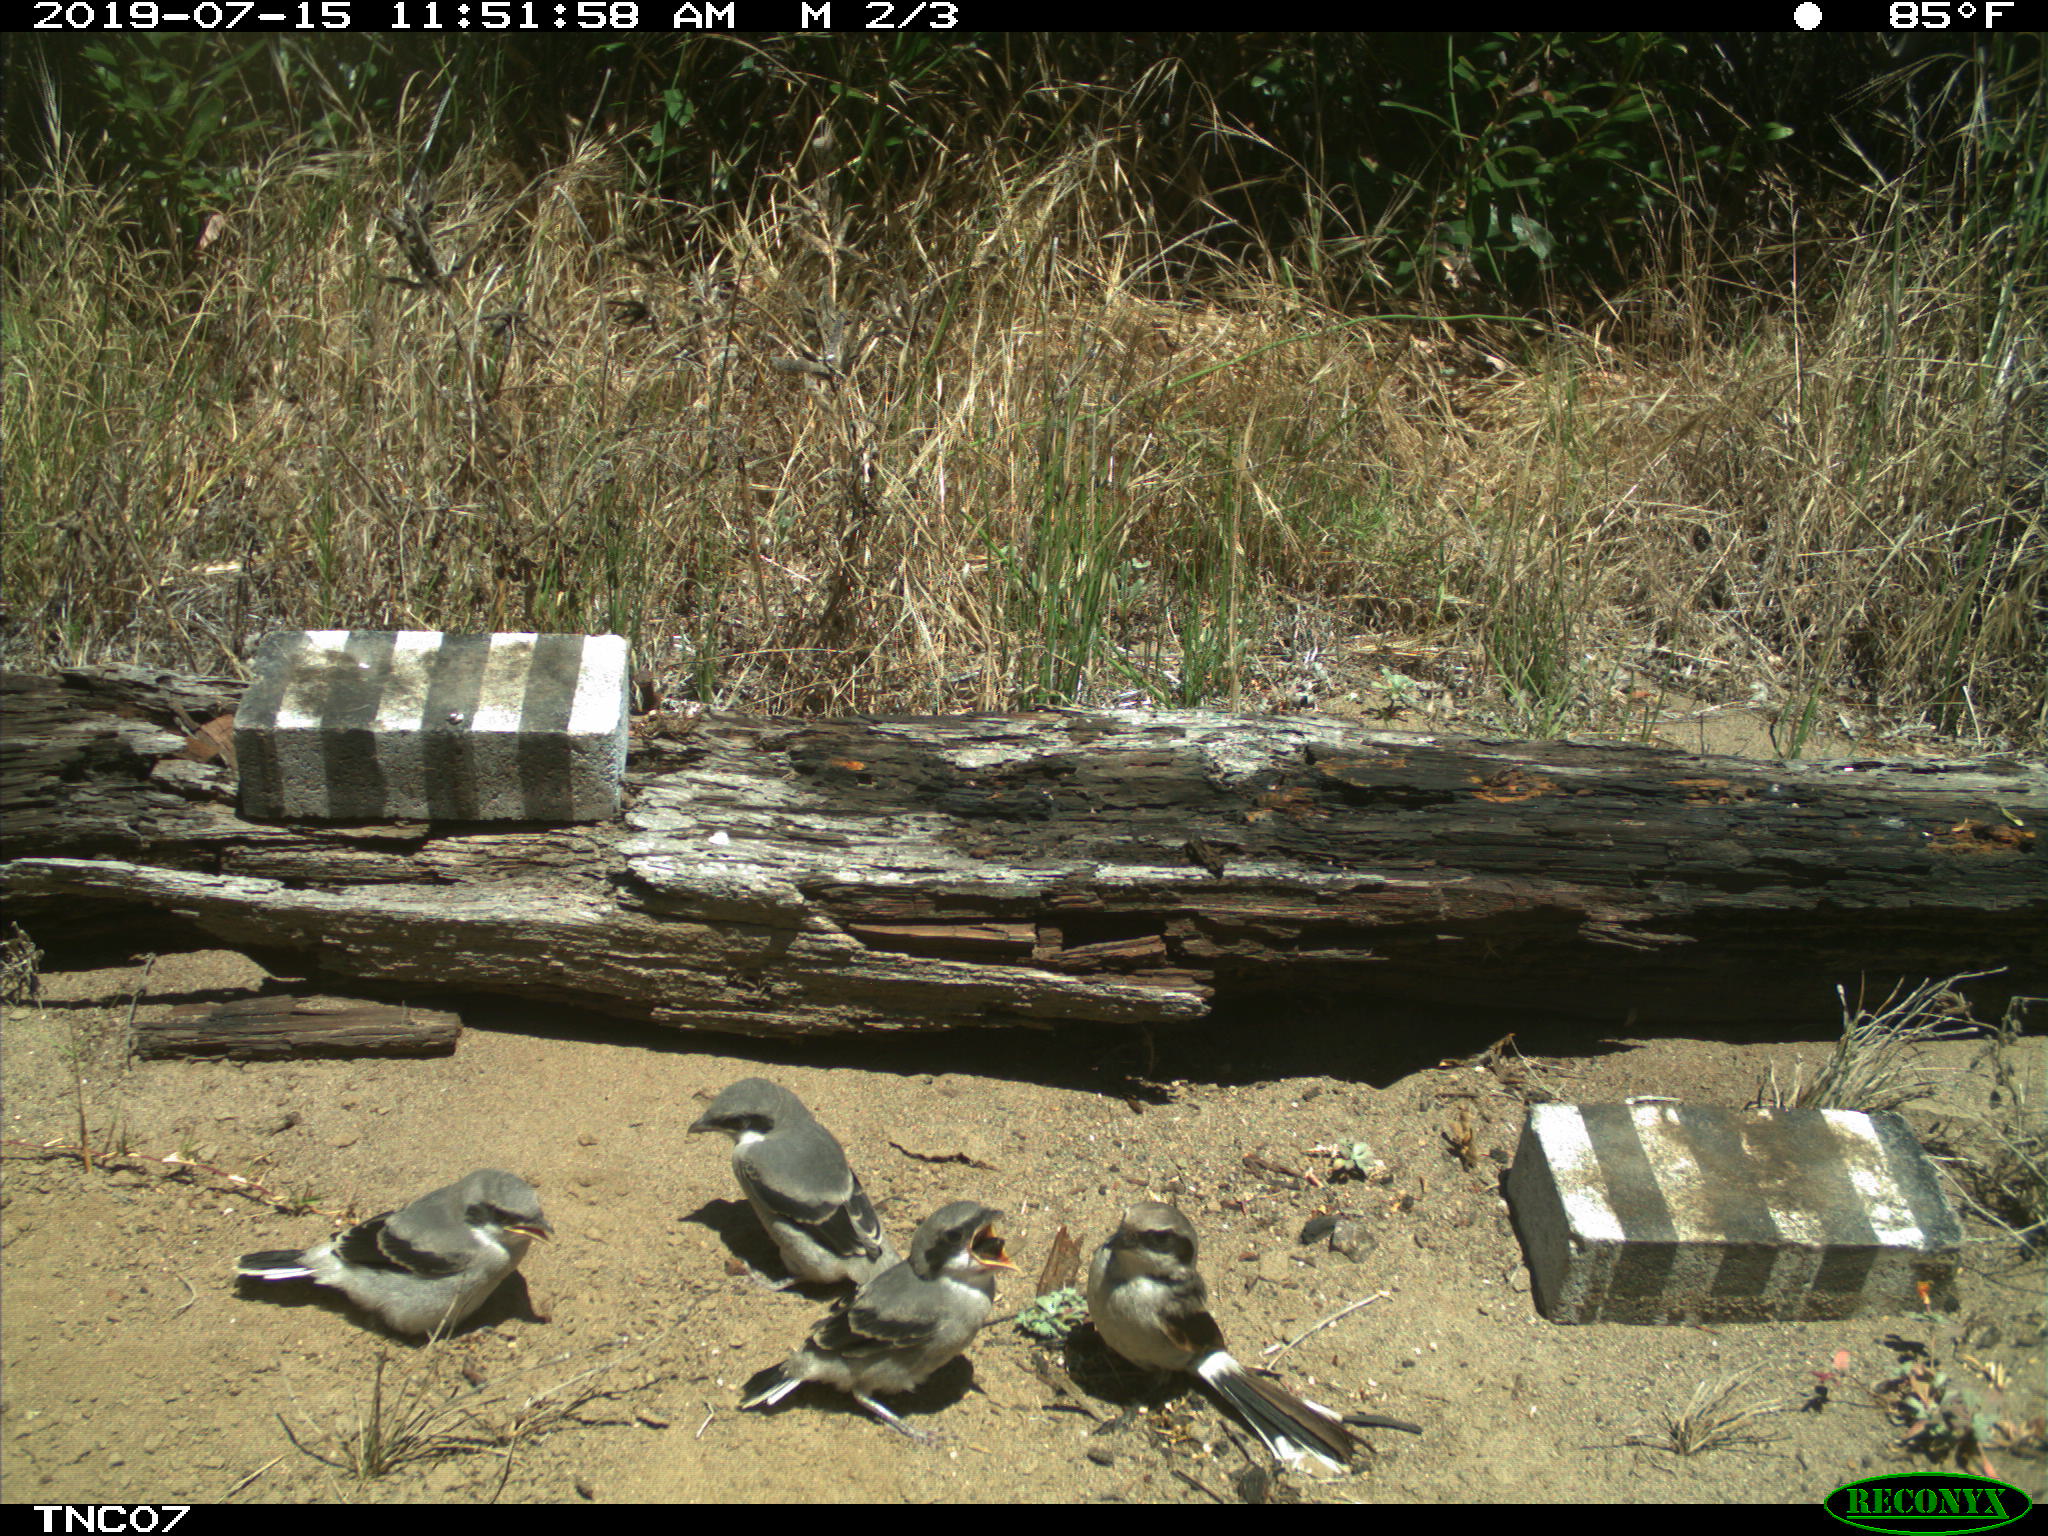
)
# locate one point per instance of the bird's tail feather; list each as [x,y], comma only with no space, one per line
[775,1385]
[1291,1427]
[273,1264]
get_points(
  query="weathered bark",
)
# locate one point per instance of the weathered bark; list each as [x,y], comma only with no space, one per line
[787,877]
[253,1027]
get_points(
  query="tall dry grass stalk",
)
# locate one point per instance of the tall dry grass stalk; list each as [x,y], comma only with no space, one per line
[1875,1065]
[994,447]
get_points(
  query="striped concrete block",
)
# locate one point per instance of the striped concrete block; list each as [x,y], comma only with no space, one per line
[1664,1213]
[416,725]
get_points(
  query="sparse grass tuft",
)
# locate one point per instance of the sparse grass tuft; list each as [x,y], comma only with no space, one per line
[1994,1158]
[1712,1421]
[20,967]
[91,1050]
[1872,1066]
[441,1406]
[1997,1161]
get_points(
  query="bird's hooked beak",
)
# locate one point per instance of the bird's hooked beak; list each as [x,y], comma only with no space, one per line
[987,1249]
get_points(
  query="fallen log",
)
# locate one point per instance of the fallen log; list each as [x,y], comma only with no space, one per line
[786,877]
[256,1028]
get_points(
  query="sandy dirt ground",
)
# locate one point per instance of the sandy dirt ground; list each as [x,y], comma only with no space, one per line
[609,1370]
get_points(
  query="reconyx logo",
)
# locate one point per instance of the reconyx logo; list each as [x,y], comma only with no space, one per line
[1947,1502]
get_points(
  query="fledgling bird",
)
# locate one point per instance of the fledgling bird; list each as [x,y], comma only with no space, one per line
[1151,1306]
[906,1322]
[425,1268]
[796,1178]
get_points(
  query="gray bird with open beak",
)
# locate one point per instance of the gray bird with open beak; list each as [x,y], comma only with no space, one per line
[425,1268]
[1151,1306]
[906,1322]
[797,1180]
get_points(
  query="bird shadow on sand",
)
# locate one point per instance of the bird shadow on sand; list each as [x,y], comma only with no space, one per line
[509,1302]
[1102,1373]
[936,1393]
[734,1223]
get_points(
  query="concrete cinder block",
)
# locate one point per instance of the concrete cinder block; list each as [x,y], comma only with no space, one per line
[1664,1213]
[417,725]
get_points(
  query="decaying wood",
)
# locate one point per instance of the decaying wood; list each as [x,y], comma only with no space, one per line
[253,1027]
[788,877]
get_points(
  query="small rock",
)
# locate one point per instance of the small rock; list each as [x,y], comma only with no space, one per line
[1254,1485]
[1353,1239]
[1318,1227]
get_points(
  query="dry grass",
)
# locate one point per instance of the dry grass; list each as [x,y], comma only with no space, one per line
[992,448]
[1997,1160]
[1873,1067]
[1712,1420]
[20,963]
[1991,1146]
[440,1405]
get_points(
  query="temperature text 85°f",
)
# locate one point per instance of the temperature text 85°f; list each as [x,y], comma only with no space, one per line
[1940,15]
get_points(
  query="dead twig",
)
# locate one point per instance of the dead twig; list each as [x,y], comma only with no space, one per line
[1275,1351]
[245,1482]
[1198,1485]
[1260,1164]
[238,1183]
